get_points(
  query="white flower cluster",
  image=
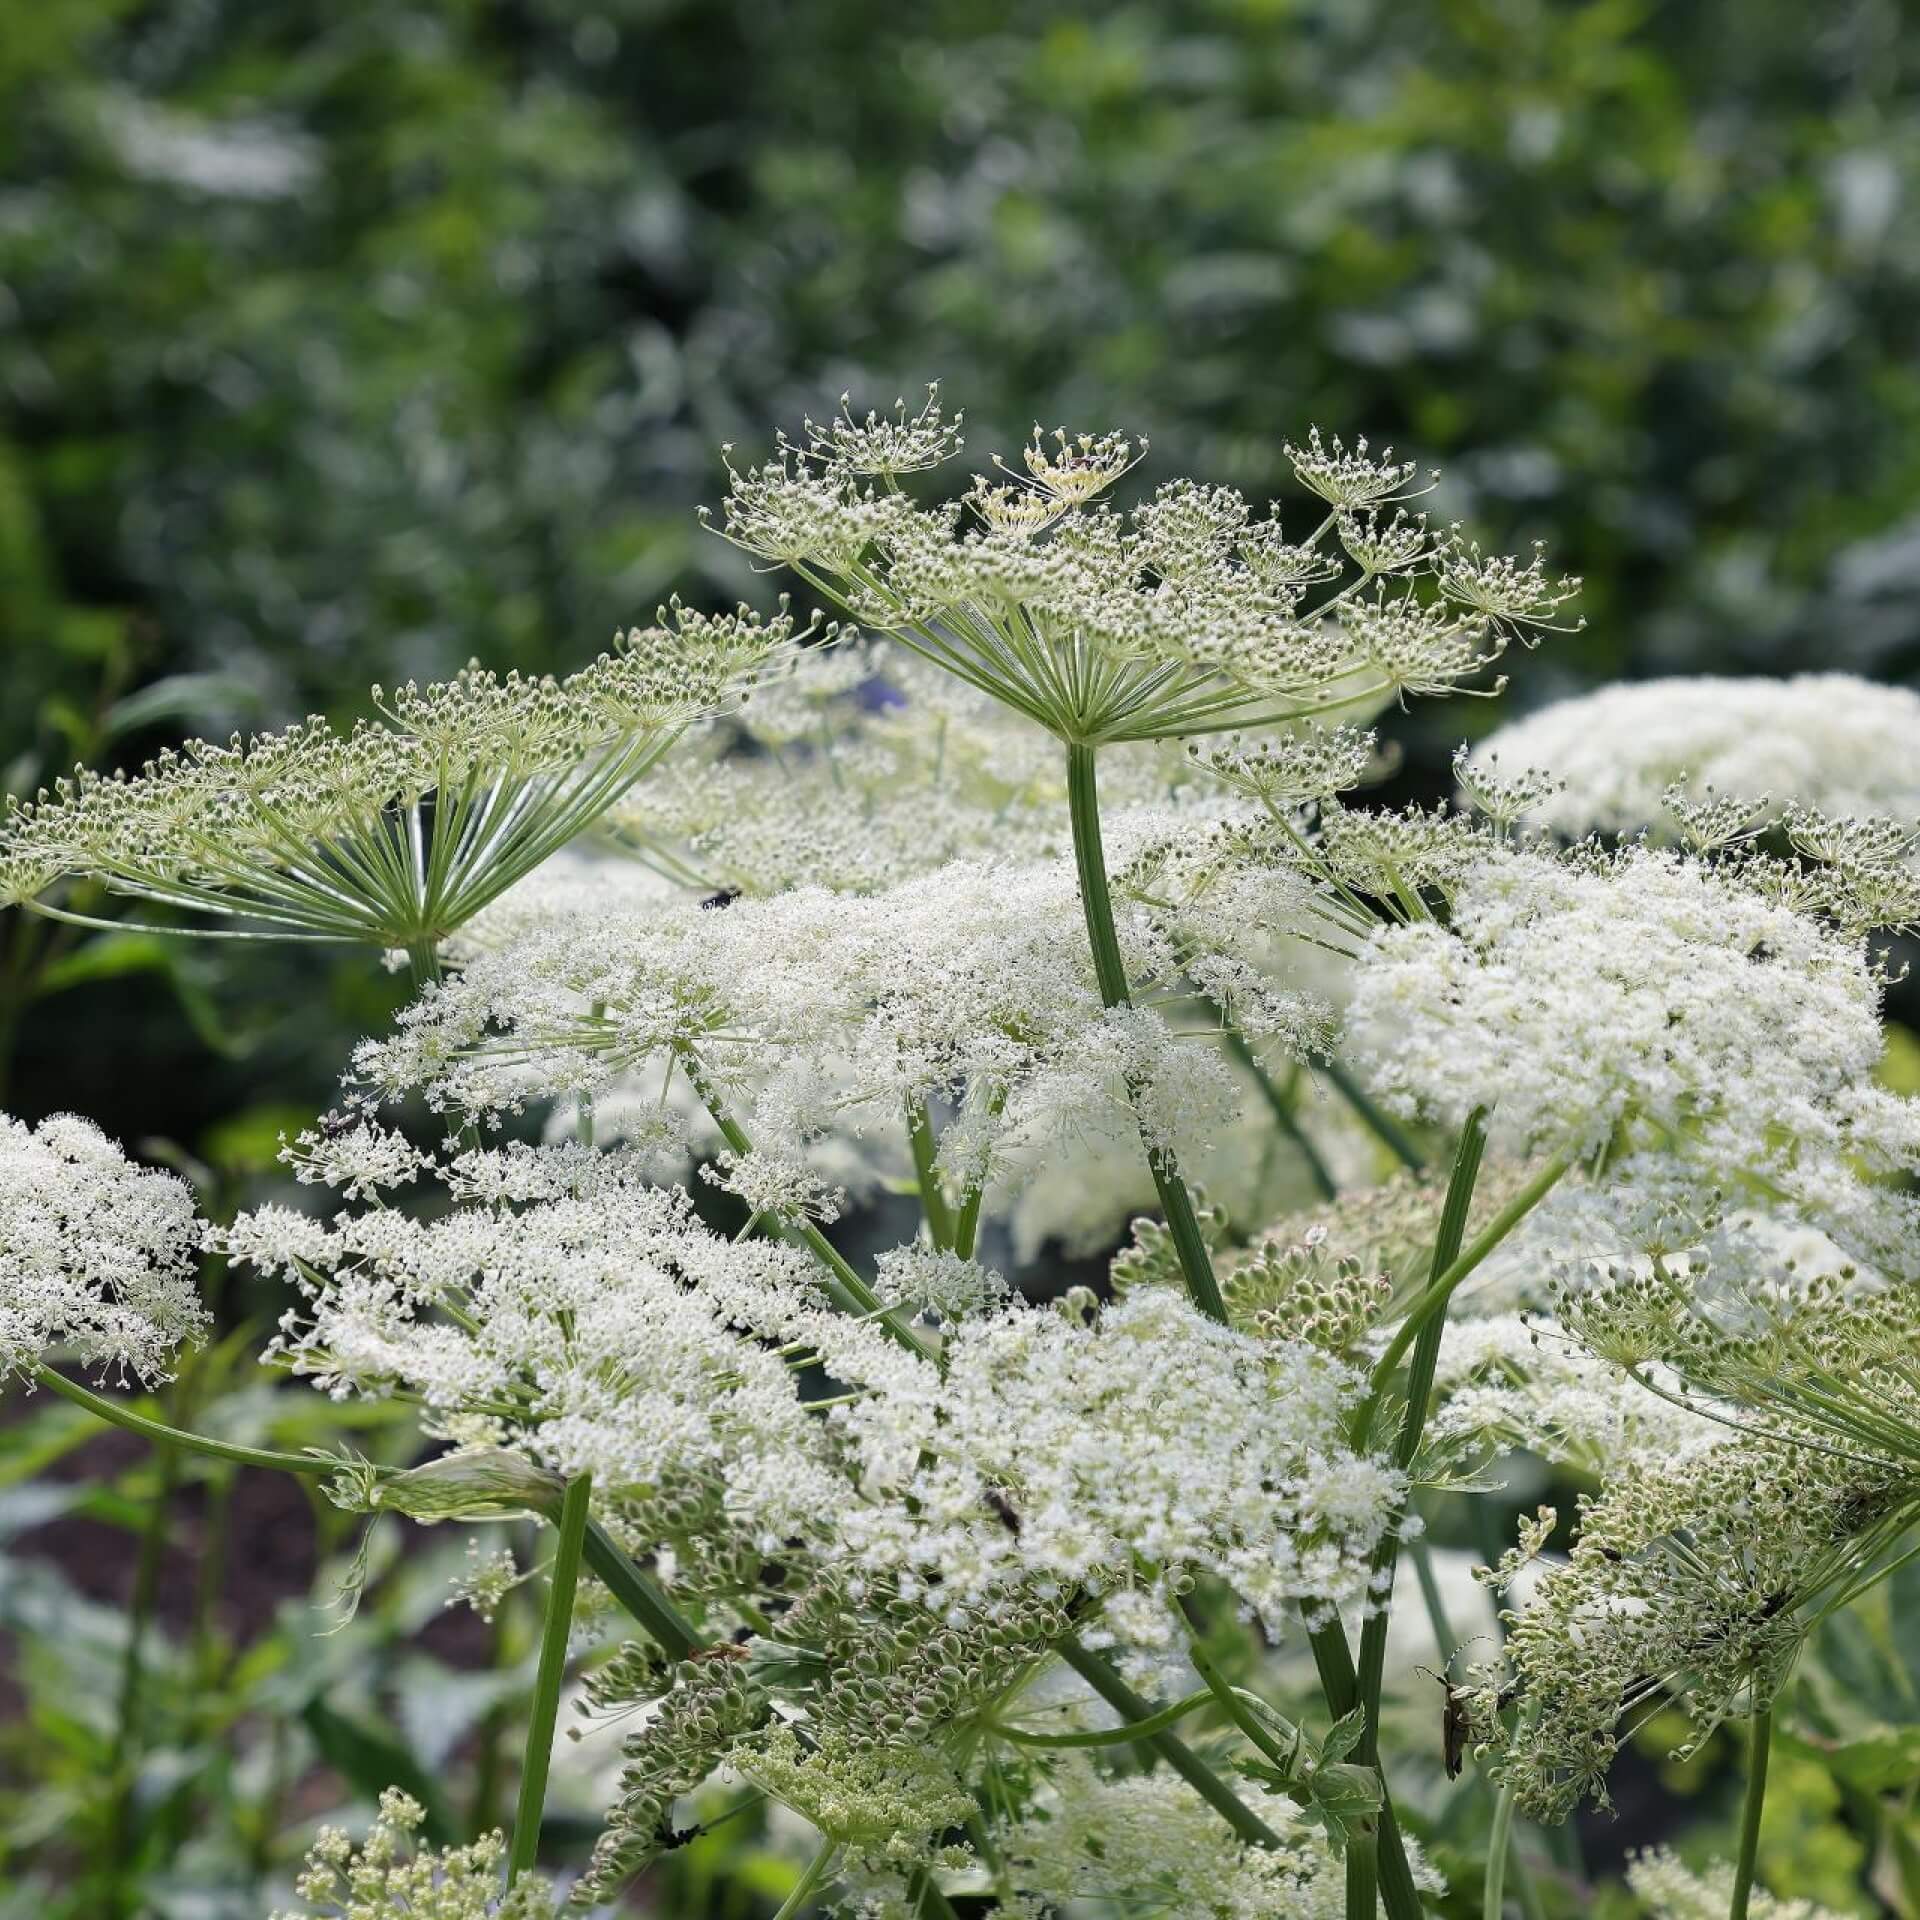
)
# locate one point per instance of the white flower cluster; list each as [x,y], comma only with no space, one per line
[594,1329]
[812,1012]
[1828,740]
[97,1255]
[1672,1890]
[1505,1381]
[1644,990]
[1147,1436]
[390,1876]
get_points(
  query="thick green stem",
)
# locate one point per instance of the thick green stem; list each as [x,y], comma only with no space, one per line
[1494,1899]
[1110,972]
[1363,1870]
[933,1202]
[563,1580]
[1180,1757]
[1426,1355]
[1341,1686]
[1387,1863]
[1759,1747]
[810,1882]
[1433,1302]
[124,1765]
[966,1225]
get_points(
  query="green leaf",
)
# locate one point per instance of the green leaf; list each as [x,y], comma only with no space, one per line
[1879,1760]
[372,1758]
[1343,1736]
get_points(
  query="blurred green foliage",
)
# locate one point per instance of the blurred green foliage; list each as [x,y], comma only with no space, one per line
[344,342]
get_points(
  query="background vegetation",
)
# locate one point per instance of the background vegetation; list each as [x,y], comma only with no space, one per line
[343,342]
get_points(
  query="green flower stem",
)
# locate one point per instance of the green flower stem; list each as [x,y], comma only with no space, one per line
[1341,1686]
[1444,1637]
[1180,1757]
[1433,1302]
[1125,1735]
[1228,1697]
[1363,1870]
[966,1225]
[563,1580]
[933,1203]
[640,1595]
[1426,1354]
[1494,1899]
[1759,1747]
[926,1899]
[118,1414]
[810,1882]
[1109,969]
[845,1288]
[634,1590]
[1387,1130]
[1284,1117]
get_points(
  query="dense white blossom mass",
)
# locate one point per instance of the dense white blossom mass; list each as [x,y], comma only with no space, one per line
[1829,740]
[896,1539]
[97,1255]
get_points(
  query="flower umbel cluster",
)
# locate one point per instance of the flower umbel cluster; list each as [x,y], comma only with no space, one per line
[401,830]
[1825,740]
[390,1876]
[1188,615]
[97,1255]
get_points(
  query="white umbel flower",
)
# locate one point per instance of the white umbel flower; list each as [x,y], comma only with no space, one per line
[1829,740]
[96,1254]
[391,1876]
[1583,993]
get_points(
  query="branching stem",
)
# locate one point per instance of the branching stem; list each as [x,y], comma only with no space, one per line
[1110,972]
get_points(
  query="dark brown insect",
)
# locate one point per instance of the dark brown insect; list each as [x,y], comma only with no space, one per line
[1001,1505]
[1454,1731]
[724,898]
[1456,1725]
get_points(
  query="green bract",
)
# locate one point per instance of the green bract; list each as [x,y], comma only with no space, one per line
[1188,615]
[402,829]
